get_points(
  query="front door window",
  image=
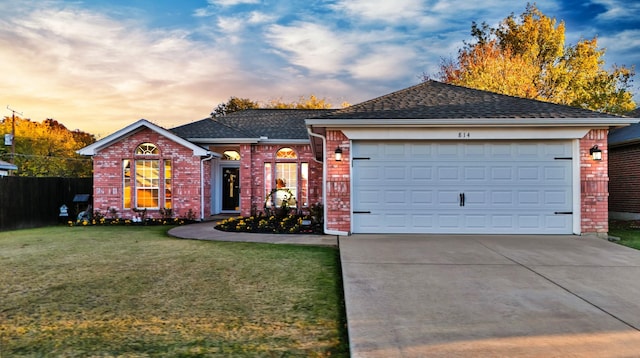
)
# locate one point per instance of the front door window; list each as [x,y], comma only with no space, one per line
[230,189]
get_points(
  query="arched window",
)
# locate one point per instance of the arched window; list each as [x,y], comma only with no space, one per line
[147,181]
[286,153]
[230,155]
[147,149]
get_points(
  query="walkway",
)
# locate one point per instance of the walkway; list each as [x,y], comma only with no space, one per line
[205,231]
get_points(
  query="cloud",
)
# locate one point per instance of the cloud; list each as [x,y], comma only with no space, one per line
[105,71]
[617,10]
[257,17]
[380,10]
[384,63]
[213,7]
[232,2]
[311,46]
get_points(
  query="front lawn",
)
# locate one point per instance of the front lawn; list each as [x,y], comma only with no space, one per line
[133,291]
[627,231]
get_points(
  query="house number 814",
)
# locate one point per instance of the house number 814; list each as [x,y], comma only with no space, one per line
[464,135]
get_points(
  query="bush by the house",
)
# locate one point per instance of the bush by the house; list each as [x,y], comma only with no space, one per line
[273,222]
[111,217]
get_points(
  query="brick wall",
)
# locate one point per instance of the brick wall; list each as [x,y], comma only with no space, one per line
[252,186]
[108,181]
[624,176]
[594,184]
[338,183]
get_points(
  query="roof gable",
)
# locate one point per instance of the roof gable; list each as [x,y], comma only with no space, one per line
[94,148]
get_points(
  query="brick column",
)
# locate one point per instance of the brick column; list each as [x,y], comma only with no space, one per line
[246,182]
[594,184]
[338,188]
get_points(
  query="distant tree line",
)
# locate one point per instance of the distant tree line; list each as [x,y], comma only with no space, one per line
[235,104]
[46,149]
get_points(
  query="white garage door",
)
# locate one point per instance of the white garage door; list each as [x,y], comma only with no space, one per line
[462,187]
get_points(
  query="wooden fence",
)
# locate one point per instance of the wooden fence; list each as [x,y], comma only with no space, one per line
[27,202]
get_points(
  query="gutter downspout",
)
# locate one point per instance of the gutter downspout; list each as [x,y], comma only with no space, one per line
[324,186]
[210,156]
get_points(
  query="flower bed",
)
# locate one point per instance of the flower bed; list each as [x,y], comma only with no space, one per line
[290,224]
[112,218]
[277,221]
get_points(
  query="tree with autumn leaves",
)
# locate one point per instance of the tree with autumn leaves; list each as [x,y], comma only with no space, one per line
[46,149]
[527,57]
[235,104]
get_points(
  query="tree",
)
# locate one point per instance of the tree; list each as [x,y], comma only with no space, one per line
[47,149]
[527,57]
[234,104]
[303,103]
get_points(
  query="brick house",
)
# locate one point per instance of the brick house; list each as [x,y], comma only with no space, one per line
[624,171]
[432,158]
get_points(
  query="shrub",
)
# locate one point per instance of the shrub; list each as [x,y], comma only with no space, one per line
[269,222]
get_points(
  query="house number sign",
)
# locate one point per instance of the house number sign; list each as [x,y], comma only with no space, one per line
[464,135]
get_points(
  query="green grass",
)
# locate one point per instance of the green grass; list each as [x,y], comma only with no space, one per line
[627,231]
[134,292]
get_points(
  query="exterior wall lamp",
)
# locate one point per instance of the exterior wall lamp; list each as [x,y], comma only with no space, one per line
[338,152]
[596,153]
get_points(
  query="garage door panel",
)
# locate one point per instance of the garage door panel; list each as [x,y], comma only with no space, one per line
[477,173]
[421,198]
[509,187]
[448,173]
[423,173]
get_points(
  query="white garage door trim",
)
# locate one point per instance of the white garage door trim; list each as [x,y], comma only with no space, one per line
[566,196]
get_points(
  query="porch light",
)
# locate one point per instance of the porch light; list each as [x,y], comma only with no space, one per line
[596,153]
[338,154]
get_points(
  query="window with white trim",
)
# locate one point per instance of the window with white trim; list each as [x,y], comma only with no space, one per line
[285,177]
[147,179]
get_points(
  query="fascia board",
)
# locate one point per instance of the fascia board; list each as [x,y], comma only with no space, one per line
[223,140]
[247,141]
[473,122]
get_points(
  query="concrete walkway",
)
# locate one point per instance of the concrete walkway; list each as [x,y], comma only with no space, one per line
[205,231]
[490,296]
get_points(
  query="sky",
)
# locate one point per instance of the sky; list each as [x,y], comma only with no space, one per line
[100,65]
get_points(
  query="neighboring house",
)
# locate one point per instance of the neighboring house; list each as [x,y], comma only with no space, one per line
[624,171]
[5,167]
[432,158]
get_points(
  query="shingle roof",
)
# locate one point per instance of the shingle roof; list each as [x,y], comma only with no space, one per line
[7,166]
[626,135]
[436,100]
[252,123]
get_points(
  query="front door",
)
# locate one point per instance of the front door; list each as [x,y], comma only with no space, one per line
[230,189]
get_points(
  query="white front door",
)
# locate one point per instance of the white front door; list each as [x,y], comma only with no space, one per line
[496,187]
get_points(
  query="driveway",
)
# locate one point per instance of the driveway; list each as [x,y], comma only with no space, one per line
[490,296]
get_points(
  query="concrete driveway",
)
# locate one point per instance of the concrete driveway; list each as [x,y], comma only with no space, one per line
[490,296]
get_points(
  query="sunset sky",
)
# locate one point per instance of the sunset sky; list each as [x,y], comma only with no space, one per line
[100,65]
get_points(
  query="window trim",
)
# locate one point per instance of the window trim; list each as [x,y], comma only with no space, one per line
[270,169]
[147,152]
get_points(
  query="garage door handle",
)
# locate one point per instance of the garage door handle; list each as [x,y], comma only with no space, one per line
[362,212]
[563,212]
[461,199]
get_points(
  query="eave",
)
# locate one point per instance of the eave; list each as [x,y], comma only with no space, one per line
[113,138]
[470,122]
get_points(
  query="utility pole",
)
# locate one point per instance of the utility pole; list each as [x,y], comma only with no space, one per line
[13,132]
